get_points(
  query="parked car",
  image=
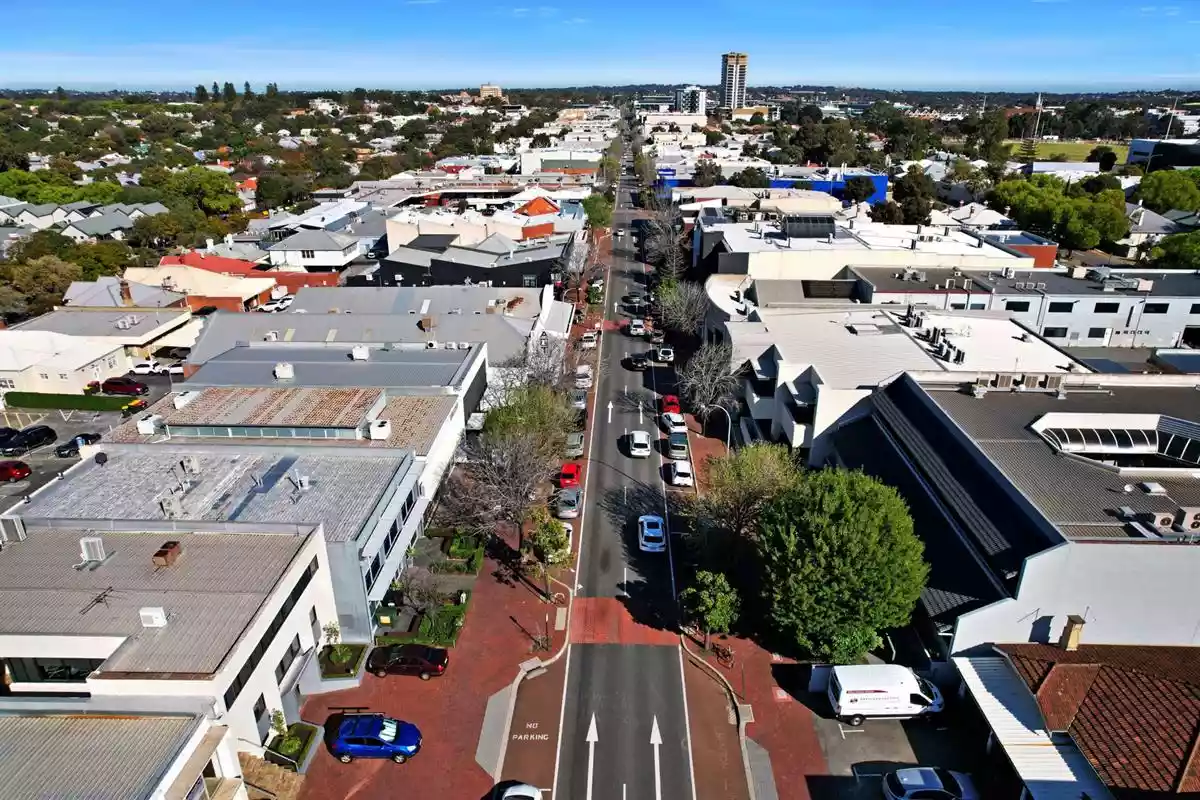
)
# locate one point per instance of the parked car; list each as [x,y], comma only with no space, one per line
[583,376]
[150,367]
[568,503]
[408,659]
[596,283]
[677,445]
[7,433]
[928,783]
[173,369]
[888,691]
[639,444]
[70,448]
[126,386]
[652,535]
[589,340]
[639,362]
[568,476]
[521,791]
[574,448]
[13,471]
[670,404]
[280,304]
[28,439]
[375,736]
[637,327]
[579,399]
[679,473]
[285,301]
[636,301]
[665,355]
[657,337]
[674,423]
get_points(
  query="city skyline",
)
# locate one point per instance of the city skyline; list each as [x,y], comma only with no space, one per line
[917,44]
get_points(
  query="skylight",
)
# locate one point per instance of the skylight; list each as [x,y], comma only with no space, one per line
[1147,441]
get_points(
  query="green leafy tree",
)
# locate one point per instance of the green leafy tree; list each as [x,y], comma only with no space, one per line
[599,210]
[889,213]
[201,94]
[211,192]
[533,410]
[41,282]
[1181,251]
[1028,152]
[1105,155]
[741,483]
[916,210]
[246,91]
[228,93]
[12,158]
[540,140]
[216,91]
[103,258]
[858,189]
[713,138]
[548,537]
[750,178]
[757,119]
[913,183]
[1169,189]
[39,244]
[706,173]
[839,562]
[711,602]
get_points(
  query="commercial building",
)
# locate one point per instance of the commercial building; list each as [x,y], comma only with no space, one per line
[140,331]
[1158,154]
[205,290]
[291,279]
[489,90]
[733,80]
[45,361]
[691,100]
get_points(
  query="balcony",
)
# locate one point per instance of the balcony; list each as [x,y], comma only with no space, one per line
[760,397]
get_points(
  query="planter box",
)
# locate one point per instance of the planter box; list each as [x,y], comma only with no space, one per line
[312,736]
[331,670]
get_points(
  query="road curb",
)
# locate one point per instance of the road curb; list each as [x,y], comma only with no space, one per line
[737,709]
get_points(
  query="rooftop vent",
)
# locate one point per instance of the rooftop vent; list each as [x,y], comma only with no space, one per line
[167,555]
[380,430]
[284,371]
[153,617]
[190,465]
[271,336]
[91,550]
[1152,487]
[183,398]
[172,506]
[149,424]
[359,352]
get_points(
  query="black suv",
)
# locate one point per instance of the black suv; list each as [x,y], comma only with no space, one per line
[639,362]
[408,659]
[21,442]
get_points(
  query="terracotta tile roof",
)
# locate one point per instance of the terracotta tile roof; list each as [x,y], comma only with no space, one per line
[1133,711]
[230,266]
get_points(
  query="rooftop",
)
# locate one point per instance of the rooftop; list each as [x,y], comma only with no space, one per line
[1037,282]
[22,349]
[211,593]
[316,241]
[412,368]
[296,407]
[244,484]
[128,757]
[191,280]
[106,291]
[420,301]
[127,324]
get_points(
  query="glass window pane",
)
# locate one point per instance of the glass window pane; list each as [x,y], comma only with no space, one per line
[1123,439]
[1090,436]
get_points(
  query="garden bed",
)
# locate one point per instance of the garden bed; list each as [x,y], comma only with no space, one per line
[441,626]
[464,556]
[343,669]
[282,749]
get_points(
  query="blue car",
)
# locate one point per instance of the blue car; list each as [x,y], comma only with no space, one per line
[375,736]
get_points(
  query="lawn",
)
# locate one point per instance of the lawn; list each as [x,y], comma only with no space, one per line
[1076,151]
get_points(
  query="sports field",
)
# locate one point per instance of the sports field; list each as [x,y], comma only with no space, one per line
[1076,151]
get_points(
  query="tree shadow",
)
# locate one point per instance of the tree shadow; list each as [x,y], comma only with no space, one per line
[795,680]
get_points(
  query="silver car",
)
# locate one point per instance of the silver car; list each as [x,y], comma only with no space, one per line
[579,399]
[574,448]
[568,503]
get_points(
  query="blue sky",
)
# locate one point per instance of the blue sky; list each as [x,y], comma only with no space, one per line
[1019,44]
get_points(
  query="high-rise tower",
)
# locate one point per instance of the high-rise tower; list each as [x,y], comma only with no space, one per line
[733,80]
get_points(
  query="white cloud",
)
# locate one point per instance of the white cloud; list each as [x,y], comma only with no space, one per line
[547,11]
[520,12]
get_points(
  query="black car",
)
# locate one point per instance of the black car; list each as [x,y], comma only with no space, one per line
[32,438]
[408,659]
[639,362]
[71,447]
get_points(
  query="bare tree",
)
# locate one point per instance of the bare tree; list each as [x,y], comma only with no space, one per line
[583,265]
[419,589]
[549,361]
[683,306]
[708,379]
[664,242]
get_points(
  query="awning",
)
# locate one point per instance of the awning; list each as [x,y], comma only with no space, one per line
[183,336]
[1051,767]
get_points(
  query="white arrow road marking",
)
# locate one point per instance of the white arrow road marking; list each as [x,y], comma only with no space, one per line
[610,404]
[655,742]
[592,738]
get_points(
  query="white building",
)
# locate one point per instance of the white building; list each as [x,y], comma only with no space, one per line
[691,100]
[45,361]
[733,80]
[315,251]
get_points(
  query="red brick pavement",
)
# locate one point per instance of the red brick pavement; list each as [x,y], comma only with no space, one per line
[716,750]
[449,710]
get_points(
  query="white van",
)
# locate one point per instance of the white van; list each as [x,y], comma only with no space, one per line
[583,376]
[890,691]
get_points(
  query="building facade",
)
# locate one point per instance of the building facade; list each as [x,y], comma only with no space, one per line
[733,80]
[691,100]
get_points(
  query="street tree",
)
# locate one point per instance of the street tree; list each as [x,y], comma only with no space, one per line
[711,603]
[858,189]
[888,212]
[1169,189]
[707,173]
[707,379]
[682,306]
[750,178]
[534,410]
[662,239]
[741,483]
[40,281]
[548,538]
[599,210]
[839,562]
[1181,251]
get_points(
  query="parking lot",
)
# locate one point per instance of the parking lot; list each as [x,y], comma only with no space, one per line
[67,424]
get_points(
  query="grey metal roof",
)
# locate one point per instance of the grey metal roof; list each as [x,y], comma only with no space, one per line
[1143,220]
[103,321]
[412,256]
[505,336]
[432,241]
[210,595]
[240,483]
[1166,284]
[106,291]
[497,243]
[463,255]
[103,224]
[330,367]
[315,240]
[1071,493]
[443,300]
[97,757]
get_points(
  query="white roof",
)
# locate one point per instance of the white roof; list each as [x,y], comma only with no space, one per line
[20,350]
[873,676]
[1052,768]
[193,280]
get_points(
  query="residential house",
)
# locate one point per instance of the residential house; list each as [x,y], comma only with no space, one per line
[315,251]
[290,279]
[108,291]
[205,289]
[1146,227]
[112,225]
[45,361]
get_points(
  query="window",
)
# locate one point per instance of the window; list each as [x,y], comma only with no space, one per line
[43,376]
[312,616]
[52,670]
[1016,305]
[256,655]
[307,254]
[1054,333]
[262,719]
[285,663]
[958,306]
[1156,308]
[1061,308]
[529,281]
[1108,308]
[62,376]
[1097,333]
[6,383]
[977,306]
[1195,308]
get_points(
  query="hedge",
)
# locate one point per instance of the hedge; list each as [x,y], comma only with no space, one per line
[81,402]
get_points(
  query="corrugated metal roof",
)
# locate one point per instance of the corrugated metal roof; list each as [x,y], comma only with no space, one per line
[81,757]
[292,406]
[1051,768]
[330,367]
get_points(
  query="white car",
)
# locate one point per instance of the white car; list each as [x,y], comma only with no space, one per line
[285,301]
[589,340]
[596,283]
[652,534]
[147,368]
[680,473]
[674,423]
[637,327]
[174,369]
[522,791]
[665,355]
[639,444]
[270,307]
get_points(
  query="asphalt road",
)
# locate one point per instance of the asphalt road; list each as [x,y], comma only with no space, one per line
[626,689]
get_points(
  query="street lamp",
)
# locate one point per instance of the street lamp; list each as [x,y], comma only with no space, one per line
[728,424]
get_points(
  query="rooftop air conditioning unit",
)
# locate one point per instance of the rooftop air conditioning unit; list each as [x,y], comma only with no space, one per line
[153,617]
[284,371]
[172,506]
[1009,272]
[149,424]
[380,430]
[91,549]
[1187,519]
[359,352]
[1004,381]
[271,336]
[184,398]
[190,465]
[1164,521]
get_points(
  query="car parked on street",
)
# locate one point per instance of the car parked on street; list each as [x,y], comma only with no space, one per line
[637,327]
[657,337]
[583,376]
[375,736]
[579,399]
[13,471]
[589,340]
[574,447]
[568,476]
[639,362]
[567,504]
[408,659]
[664,355]
[669,404]
[652,534]
[125,386]
[150,367]
[677,444]
[928,783]
[639,444]
[674,423]
[521,791]
[26,440]
[70,448]
[679,473]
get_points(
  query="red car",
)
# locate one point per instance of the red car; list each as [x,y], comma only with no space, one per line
[127,386]
[569,477]
[13,471]
[670,404]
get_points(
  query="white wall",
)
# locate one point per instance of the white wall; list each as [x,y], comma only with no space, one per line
[824,264]
[1131,593]
[321,258]
[31,380]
